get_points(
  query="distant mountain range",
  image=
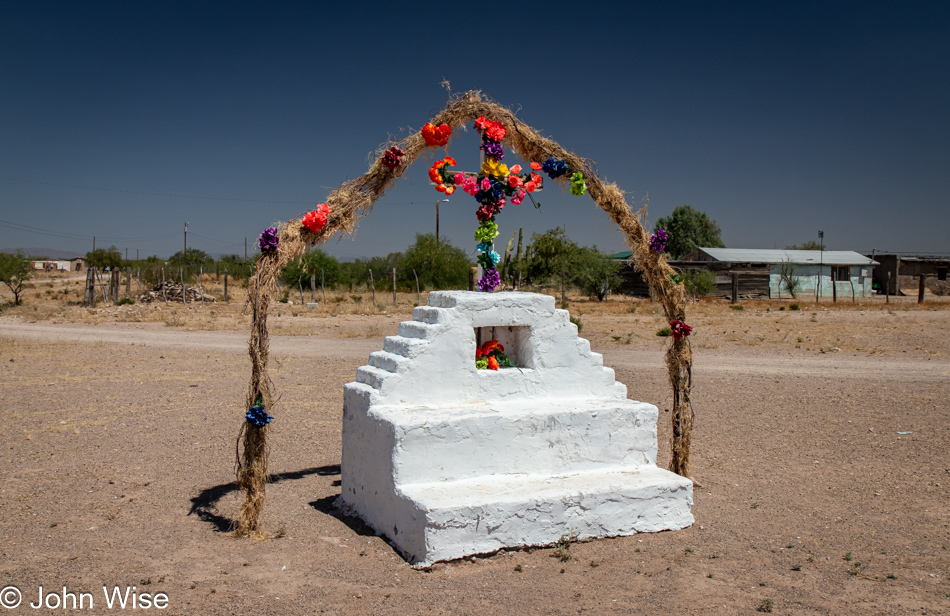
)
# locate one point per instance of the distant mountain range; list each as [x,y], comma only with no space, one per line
[49,253]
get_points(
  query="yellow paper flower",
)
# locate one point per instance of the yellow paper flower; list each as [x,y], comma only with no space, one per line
[494,168]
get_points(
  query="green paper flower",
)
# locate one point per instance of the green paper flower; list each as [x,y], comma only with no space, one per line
[487,231]
[578,187]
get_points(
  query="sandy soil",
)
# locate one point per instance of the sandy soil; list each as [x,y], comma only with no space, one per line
[820,453]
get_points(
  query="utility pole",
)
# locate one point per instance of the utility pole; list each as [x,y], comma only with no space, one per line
[126,254]
[136,254]
[94,243]
[185,252]
[821,261]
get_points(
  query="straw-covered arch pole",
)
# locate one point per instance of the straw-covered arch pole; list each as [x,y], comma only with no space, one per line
[354,199]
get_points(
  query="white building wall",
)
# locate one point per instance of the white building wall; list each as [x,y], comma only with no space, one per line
[808,277]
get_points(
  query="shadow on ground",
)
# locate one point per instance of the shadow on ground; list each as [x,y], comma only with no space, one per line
[204,505]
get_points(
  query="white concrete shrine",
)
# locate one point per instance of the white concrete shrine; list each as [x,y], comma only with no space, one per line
[449,461]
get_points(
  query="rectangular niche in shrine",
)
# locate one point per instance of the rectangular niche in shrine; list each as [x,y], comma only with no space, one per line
[447,460]
[516,340]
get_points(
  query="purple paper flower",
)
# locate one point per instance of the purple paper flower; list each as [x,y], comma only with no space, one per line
[658,241]
[493,149]
[268,240]
[489,281]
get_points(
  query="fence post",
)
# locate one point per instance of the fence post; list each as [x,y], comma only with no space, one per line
[323,288]
[887,290]
[834,285]
[418,295]
[90,299]
[372,284]
[114,284]
[394,286]
[128,282]
[313,285]
[920,289]
[735,287]
[164,296]
[300,287]
[102,288]
[563,298]
[181,274]
[200,274]
[225,284]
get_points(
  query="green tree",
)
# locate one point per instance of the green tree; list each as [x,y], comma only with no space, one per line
[439,265]
[104,257]
[299,271]
[594,272]
[586,268]
[689,229]
[192,258]
[14,271]
[809,245]
[551,253]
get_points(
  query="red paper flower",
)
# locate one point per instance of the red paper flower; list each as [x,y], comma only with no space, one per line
[488,347]
[495,130]
[436,135]
[317,219]
[392,157]
[492,363]
[480,124]
[515,169]
[679,329]
[514,181]
[536,166]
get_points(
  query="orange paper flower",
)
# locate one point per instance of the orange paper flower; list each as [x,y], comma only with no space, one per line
[435,174]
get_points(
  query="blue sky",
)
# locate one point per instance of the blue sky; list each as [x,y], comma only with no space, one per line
[124,120]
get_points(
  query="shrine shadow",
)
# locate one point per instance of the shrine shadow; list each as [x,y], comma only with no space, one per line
[204,505]
[327,505]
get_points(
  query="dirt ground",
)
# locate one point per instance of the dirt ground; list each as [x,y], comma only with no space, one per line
[820,458]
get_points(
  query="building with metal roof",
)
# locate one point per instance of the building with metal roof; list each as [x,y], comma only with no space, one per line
[829,273]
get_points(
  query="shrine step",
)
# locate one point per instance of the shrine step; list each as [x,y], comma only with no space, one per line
[425,444]
[448,520]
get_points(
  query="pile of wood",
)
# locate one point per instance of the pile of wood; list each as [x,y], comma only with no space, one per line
[172,292]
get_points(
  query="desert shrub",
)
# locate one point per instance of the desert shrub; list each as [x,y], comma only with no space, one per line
[699,282]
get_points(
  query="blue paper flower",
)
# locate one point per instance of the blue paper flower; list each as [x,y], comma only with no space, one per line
[257,417]
[554,168]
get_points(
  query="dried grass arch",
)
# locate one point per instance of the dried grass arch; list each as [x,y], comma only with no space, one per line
[354,199]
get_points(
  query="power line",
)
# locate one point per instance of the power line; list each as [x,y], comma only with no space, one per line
[154,194]
[75,236]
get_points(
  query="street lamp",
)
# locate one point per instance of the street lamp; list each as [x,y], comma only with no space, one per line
[437,218]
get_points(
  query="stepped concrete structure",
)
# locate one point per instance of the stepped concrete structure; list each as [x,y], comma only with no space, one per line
[449,461]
